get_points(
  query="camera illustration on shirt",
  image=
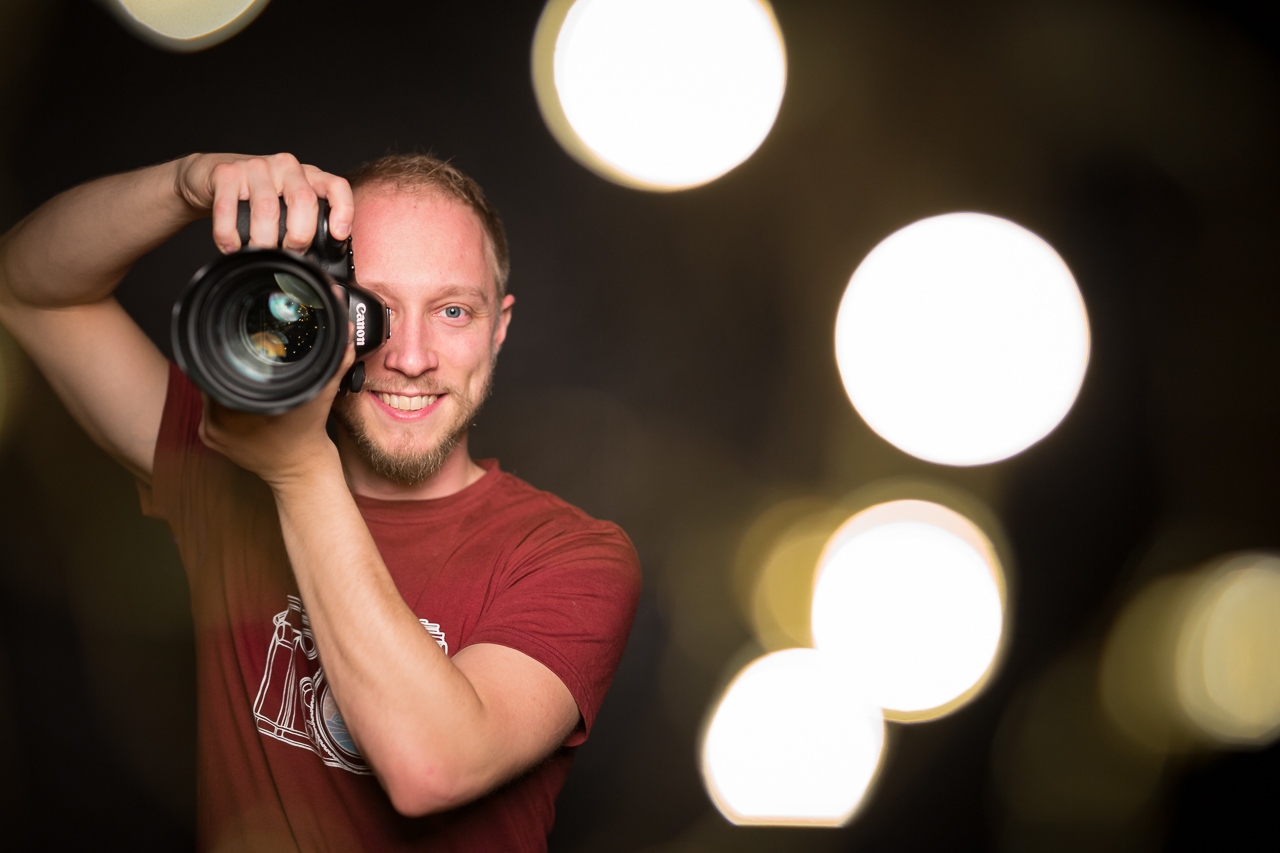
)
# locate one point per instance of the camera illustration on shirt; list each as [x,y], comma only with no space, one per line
[294,704]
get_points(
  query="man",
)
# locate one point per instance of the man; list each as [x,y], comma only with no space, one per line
[397,646]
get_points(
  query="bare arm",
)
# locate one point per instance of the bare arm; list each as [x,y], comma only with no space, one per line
[60,265]
[58,268]
[438,732]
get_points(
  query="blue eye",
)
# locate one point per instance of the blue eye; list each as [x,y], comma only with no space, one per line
[453,312]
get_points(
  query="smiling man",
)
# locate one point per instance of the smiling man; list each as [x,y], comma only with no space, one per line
[447,252]
[398,647]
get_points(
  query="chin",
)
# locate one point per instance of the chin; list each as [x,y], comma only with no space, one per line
[403,453]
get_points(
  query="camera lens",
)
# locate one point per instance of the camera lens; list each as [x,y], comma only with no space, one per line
[260,331]
[273,327]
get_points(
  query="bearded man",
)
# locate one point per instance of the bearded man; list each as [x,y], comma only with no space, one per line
[397,646]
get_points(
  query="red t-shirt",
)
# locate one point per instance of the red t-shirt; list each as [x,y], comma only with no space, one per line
[498,562]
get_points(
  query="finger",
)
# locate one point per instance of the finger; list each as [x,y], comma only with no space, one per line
[348,358]
[342,208]
[300,221]
[229,186]
[205,438]
[264,205]
[300,198]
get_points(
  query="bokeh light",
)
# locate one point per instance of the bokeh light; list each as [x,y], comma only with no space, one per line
[1195,658]
[910,597]
[776,564]
[1061,771]
[962,339]
[187,25]
[1136,675]
[1228,654]
[659,94]
[791,742]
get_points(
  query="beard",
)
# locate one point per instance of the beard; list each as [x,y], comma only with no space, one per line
[407,465]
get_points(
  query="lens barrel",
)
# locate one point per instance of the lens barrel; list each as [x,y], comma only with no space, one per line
[260,331]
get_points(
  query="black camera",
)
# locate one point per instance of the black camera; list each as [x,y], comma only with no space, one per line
[262,330]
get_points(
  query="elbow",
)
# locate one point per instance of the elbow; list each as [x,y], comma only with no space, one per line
[426,788]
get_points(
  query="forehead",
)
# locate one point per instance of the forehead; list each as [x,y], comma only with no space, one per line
[417,240]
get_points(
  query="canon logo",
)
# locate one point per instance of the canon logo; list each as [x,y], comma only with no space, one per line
[360,309]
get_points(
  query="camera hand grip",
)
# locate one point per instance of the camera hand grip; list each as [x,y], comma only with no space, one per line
[242,221]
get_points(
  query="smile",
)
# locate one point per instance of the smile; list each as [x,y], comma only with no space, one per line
[405,404]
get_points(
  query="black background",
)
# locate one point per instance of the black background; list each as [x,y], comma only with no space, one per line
[670,367]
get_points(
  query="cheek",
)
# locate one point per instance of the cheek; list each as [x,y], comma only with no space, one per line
[466,352]
[345,405]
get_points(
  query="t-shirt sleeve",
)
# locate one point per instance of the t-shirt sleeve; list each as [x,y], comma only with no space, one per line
[567,601]
[179,432]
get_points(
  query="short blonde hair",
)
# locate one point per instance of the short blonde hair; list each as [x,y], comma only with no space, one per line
[425,172]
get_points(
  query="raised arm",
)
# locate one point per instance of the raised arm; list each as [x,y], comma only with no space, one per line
[60,265]
[437,731]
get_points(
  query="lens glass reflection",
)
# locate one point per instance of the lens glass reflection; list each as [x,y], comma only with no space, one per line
[274,325]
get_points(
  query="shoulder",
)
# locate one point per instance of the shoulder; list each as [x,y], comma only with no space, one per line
[547,514]
[552,529]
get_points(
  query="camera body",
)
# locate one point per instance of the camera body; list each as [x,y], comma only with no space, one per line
[263,330]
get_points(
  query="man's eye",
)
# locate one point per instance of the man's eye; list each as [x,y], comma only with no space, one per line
[453,312]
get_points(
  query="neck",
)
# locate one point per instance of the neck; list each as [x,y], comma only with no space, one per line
[457,472]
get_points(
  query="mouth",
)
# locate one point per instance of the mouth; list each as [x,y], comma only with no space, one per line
[407,407]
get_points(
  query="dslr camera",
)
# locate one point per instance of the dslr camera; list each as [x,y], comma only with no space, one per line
[263,330]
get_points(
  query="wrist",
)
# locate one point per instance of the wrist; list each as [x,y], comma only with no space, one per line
[183,192]
[314,473]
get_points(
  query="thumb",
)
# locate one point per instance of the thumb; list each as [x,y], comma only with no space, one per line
[334,387]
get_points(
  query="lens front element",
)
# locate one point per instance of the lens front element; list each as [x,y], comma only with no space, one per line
[276,327]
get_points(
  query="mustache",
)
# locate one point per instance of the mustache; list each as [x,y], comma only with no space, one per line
[411,388]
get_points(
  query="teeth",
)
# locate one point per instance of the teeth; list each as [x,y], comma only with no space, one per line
[407,404]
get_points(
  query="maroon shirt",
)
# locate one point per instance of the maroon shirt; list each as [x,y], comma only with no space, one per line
[498,562]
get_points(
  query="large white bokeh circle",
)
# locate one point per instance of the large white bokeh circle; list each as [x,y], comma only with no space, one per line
[791,742]
[909,598]
[669,93]
[187,25]
[962,339]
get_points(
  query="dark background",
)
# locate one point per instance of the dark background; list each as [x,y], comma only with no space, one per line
[670,367]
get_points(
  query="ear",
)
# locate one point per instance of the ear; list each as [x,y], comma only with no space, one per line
[504,320]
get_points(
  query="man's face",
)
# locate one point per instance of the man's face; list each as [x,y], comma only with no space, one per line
[425,255]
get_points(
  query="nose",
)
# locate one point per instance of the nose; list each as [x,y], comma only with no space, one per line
[410,349]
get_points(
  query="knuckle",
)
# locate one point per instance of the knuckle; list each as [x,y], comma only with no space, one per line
[296,239]
[284,158]
[257,166]
[300,195]
[265,206]
[226,237]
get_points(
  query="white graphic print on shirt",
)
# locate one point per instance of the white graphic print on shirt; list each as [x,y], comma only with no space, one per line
[294,704]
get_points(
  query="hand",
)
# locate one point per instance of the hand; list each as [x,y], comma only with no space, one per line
[219,182]
[281,449]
